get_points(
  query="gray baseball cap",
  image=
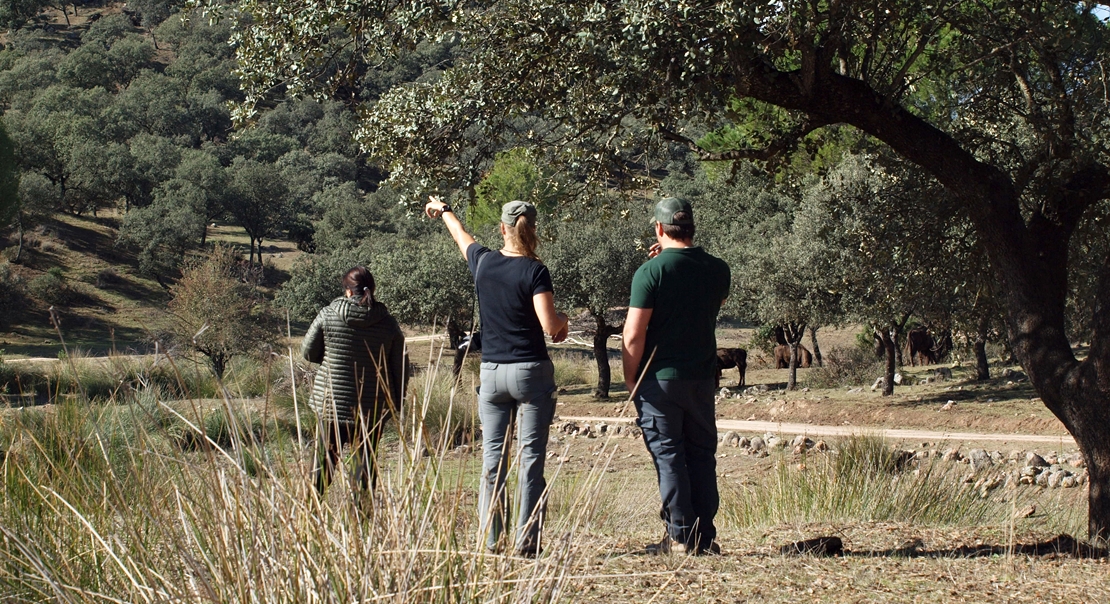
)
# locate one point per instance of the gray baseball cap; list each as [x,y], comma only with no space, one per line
[669,206]
[515,209]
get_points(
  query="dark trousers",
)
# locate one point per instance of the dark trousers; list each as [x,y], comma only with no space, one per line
[680,430]
[362,436]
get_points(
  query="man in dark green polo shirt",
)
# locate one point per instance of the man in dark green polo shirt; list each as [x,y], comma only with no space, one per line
[670,347]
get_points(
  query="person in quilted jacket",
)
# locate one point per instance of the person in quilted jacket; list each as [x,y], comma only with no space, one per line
[361,379]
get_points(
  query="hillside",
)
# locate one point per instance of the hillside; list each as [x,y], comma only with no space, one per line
[105,302]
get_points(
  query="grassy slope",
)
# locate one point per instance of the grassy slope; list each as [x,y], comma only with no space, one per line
[113,298]
[121,301]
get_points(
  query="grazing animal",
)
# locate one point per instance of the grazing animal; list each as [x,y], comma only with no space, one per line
[921,347]
[470,344]
[782,356]
[727,358]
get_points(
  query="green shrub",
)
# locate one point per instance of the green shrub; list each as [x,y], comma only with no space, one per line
[845,367]
[51,288]
[763,339]
[106,277]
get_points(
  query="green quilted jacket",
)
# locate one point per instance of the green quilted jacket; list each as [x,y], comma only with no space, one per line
[361,352]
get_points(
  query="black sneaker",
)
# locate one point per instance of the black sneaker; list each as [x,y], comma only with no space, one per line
[714,549]
[666,546]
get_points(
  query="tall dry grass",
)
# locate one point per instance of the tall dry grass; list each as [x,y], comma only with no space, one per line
[155,500]
[866,480]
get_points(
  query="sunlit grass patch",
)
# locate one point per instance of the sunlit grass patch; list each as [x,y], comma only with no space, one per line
[865,480]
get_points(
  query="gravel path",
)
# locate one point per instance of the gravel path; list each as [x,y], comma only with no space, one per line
[759,427]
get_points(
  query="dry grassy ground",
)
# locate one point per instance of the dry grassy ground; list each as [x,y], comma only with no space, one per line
[959,555]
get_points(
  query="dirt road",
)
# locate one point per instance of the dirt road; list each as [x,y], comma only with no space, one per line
[760,427]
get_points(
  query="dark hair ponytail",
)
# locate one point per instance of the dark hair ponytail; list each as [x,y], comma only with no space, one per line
[361,283]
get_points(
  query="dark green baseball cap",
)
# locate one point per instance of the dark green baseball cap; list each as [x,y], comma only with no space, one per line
[515,209]
[669,206]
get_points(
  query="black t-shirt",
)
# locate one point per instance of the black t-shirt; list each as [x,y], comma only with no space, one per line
[511,331]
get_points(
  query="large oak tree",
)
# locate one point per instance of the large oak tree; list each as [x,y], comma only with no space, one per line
[1003,102]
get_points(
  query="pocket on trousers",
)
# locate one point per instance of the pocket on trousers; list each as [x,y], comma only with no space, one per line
[487,377]
[535,379]
[646,422]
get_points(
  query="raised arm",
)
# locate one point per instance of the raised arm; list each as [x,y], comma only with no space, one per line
[554,324]
[435,208]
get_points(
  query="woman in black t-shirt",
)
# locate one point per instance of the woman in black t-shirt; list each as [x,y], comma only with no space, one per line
[517,307]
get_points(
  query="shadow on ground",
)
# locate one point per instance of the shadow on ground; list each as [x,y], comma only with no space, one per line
[1061,545]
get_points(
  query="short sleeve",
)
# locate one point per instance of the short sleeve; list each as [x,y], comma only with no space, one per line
[643,294]
[474,251]
[541,280]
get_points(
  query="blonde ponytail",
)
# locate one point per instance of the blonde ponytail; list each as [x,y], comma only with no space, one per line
[522,237]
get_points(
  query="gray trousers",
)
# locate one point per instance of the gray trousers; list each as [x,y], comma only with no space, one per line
[524,392]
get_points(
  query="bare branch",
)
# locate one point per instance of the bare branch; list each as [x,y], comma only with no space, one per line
[898,82]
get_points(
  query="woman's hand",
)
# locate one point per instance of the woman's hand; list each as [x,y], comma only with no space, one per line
[434,207]
[562,334]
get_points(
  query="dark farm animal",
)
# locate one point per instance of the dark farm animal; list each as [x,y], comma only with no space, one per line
[470,344]
[727,358]
[921,347]
[782,356]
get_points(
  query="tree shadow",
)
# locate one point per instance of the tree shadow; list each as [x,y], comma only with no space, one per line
[134,289]
[88,241]
[996,389]
[1062,545]
[773,386]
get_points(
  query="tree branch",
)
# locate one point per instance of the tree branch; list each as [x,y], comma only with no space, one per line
[782,144]
[1087,186]
[988,193]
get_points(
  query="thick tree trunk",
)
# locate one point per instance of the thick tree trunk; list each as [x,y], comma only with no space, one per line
[982,369]
[219,363]
[890,345]
[1028,252]
[816,348]
[792,379]
[794,333]
[1076,393]
[601,353]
